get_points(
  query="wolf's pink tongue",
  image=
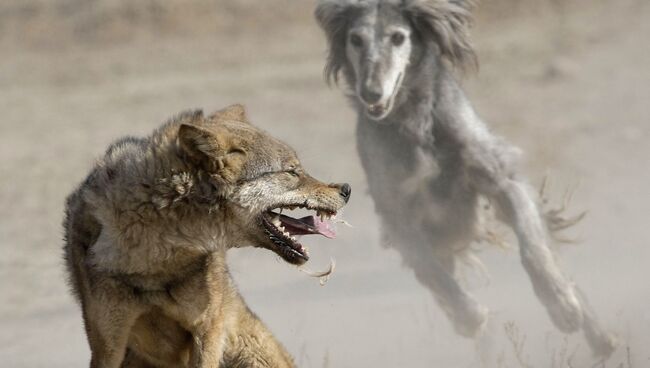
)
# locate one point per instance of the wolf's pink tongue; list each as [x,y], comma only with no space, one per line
[324,228]
[307,225]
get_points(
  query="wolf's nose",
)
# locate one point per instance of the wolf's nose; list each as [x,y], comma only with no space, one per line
[345,192]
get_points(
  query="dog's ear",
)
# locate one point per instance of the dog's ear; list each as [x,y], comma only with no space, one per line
[446,22]
[235,112]
[334,17]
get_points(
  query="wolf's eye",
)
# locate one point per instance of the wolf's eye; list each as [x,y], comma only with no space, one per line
[355,40]
[237,151]
[293,170]
[397,38]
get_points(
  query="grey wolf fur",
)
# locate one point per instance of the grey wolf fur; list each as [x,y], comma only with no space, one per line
[147,231]
[429,158]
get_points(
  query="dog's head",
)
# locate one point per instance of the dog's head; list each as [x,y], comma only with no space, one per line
[257,176]
[373,42]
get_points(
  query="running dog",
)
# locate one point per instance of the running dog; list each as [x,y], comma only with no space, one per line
[429,158]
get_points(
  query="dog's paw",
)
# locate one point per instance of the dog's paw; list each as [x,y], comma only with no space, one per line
[602,343]
[470,321]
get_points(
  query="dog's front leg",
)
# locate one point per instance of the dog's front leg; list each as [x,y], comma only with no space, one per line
[436,272]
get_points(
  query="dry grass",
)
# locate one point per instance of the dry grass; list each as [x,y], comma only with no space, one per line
[562,354]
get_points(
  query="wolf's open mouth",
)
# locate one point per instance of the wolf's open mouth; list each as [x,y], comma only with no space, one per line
[282,231]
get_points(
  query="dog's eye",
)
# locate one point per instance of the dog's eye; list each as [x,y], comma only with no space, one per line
[355,40]
[397,38]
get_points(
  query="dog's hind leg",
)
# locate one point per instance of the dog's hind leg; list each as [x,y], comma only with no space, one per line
[552,288]
[436,272]
[491,170]
[601,342]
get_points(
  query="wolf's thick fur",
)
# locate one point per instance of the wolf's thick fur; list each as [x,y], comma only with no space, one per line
[429,158]
[147,231]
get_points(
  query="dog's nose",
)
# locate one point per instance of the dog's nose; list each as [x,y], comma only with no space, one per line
[371,94]
[345,192]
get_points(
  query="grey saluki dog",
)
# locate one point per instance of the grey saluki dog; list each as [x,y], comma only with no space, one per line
[429,158]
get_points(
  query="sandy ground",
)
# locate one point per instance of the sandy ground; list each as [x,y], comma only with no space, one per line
[567,84]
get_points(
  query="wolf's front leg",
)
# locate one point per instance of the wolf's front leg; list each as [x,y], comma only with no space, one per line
[249,344]
[207,349]
[109,313]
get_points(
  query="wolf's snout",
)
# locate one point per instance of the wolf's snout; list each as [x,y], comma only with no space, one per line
[345,191]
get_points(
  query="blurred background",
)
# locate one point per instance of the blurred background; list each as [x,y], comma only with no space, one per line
[567,81]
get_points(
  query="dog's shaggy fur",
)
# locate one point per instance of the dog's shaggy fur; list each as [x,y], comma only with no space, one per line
[429,158]
[147,231]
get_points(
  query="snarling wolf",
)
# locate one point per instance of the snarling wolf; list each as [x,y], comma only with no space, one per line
[147,231]
[429,158]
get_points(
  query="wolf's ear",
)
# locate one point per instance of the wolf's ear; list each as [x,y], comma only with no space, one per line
[334,17]
[196,142]
[447,24]
[235,112]
[214,149]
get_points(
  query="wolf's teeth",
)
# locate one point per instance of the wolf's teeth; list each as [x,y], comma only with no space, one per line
[276,221]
